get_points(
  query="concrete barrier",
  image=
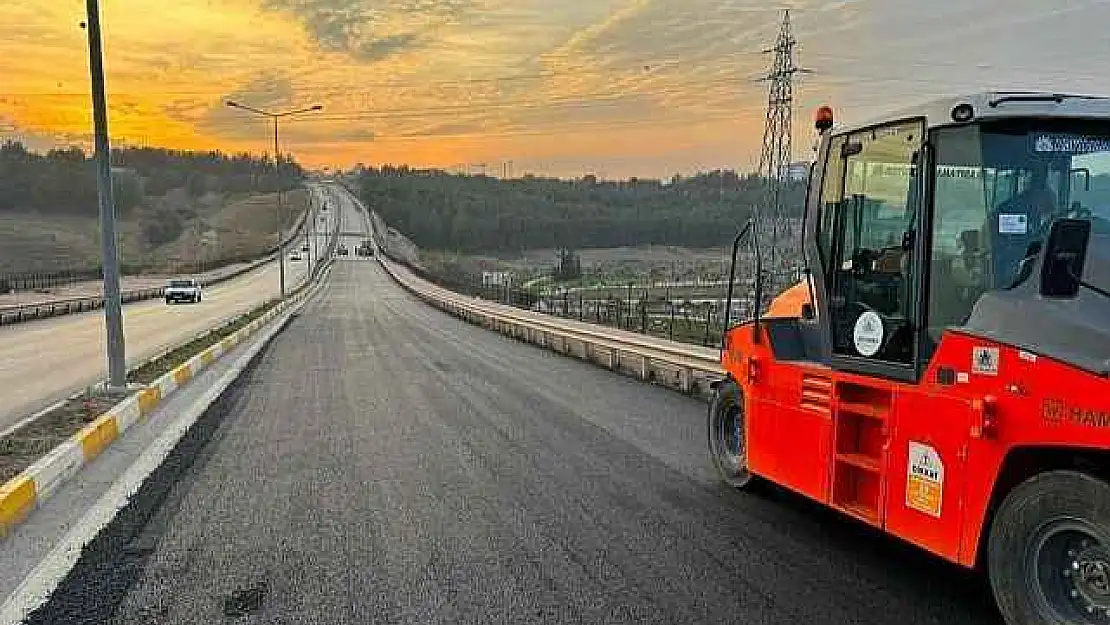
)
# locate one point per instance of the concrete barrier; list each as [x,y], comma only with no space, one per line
[687,368]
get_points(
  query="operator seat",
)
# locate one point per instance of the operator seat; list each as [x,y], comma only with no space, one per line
[1017,230]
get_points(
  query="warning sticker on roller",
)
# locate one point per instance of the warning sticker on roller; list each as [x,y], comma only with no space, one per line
[924,479]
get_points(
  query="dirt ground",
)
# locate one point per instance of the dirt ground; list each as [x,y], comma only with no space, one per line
[653,263]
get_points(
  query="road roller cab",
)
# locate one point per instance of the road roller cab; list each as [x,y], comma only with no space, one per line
[944,372]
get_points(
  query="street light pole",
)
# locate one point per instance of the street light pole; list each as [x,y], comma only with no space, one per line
[277,168]
[280,212]
[109,261]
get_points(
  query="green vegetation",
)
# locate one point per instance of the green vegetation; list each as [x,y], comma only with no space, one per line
[63,181]
[442,211]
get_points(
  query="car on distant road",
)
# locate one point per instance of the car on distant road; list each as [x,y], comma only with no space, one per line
[304,248]
[182,290]
[343,250]
[295,256]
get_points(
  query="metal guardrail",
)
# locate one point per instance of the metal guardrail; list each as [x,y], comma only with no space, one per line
[55,308]
[689,367]
[11,315]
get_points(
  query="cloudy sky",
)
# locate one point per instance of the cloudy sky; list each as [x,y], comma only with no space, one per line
[565,87]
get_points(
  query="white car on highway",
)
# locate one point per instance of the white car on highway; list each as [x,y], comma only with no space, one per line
[182,290]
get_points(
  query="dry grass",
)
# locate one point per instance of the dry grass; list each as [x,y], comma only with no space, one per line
[31,242]
[242,227]
[33,441]
[236,227]
[604,265]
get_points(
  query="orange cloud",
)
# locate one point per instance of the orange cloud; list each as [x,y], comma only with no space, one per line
[635,87]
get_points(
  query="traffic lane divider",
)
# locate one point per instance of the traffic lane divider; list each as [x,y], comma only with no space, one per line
[20,495]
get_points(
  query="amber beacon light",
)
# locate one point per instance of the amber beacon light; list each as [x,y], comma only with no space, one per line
[823,119]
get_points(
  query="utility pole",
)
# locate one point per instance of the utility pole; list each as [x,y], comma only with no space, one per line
[109,254]
[280,213]
[774,161]
[277,169]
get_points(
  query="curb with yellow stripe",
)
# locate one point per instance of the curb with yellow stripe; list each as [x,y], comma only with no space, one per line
[23,493]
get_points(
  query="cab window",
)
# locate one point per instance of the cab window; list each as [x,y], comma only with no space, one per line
[999,186]
[870,278]
[959,264]
[832,193]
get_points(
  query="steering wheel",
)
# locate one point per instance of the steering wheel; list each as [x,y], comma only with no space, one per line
[863,261]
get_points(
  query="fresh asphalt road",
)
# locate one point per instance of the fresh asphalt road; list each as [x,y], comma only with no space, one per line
[385,463]
[43,361]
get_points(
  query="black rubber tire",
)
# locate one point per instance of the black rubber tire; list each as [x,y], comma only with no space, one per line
[1038,512]
[727,397]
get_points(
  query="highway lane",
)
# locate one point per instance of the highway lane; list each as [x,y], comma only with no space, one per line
[44,361]
[385,463]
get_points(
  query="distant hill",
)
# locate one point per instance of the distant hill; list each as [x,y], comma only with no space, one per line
[63,181]
[438,210]
[175,209]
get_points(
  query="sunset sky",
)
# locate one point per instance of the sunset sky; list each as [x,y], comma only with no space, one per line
[611,87]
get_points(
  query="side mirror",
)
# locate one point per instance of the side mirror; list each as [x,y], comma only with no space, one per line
[1064,254]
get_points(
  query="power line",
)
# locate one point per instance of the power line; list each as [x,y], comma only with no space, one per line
[559,130]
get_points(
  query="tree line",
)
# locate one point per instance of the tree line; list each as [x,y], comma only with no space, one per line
[63,180]
[439,210]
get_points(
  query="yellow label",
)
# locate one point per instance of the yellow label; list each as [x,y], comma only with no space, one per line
[924,480]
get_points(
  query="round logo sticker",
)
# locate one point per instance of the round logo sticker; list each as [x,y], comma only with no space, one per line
[868,334]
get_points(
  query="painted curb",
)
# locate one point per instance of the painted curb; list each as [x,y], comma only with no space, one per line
[20,495]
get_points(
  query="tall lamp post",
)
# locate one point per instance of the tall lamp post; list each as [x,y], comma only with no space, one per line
[109,254]
[277,158]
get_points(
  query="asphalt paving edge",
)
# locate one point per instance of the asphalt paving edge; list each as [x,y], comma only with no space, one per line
[122,511]
[21,495]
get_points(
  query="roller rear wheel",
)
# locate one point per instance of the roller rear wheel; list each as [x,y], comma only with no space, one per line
[728,436]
